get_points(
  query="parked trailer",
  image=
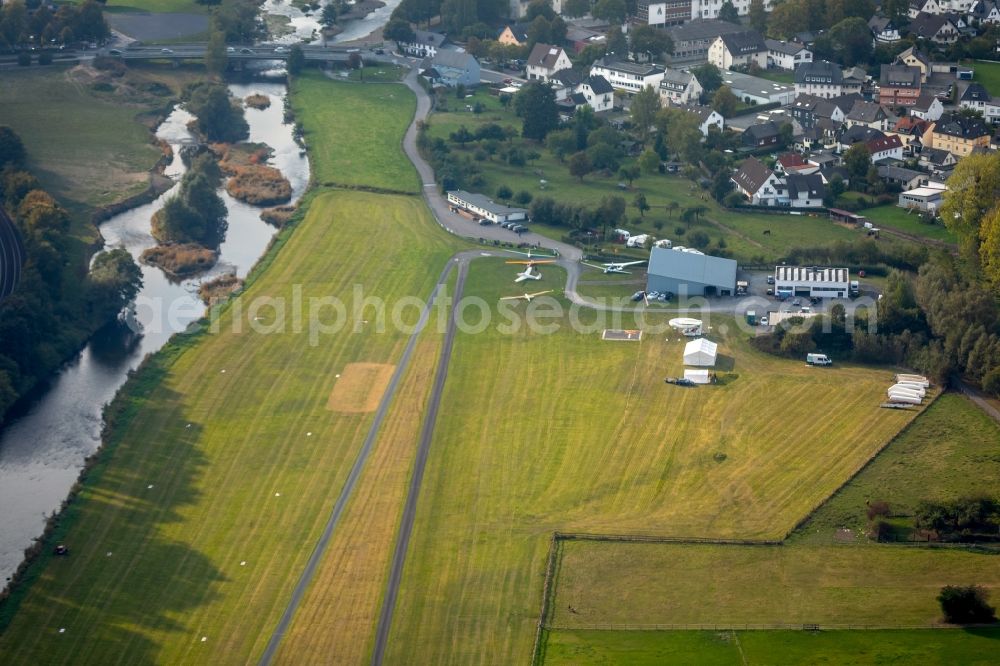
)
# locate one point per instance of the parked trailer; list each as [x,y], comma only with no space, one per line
[912,389]
[916,379]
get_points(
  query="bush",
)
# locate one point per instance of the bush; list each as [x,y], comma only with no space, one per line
[259,185]
[966,604]
[180,259]
[523,197]
[991,382]
[879,509]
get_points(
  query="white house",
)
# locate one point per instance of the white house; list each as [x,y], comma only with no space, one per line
[738,49]
[598,92]
[786,55]
[819,78]
[757,183]
[630,77]
[707,118]
[886,147]
[679,87]
[978,99]
[805,191]
[482,206]
[927,107]
[424,44]
[545,60]
[884,30]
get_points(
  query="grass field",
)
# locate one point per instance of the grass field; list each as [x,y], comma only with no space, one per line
[564,431]
[251,480]
[894,217]
[88,151]
[354,132]
[949,452]
[743,232]
[750,648]
[987,74]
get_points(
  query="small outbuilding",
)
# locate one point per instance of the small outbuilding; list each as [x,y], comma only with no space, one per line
[700,352]
[697,376]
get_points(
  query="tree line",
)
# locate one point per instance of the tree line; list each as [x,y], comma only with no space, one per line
[35,24]
[58,303]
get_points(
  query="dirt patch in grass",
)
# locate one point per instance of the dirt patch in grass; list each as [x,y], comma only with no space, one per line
[360,387]
[180,260]
[257,101]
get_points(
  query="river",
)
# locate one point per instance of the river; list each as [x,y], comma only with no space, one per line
[306,26]
[42,450]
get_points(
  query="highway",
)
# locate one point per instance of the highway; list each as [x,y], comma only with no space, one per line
[234,52]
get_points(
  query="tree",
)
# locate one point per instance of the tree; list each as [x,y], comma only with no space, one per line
[218,119]
[398,30]
[727,12]
[641,204]
[672,208]
[535,104]
[758,16]
[296,60]
[786,135]
[649,161]
[857,159]
[329,15]
[725,102]
[504,193]
[789,18]
[648,40]
[708,76]
[579,165]
[561,143]
[966,604]
[575,8]
[114,281]
[852,41]
[11,149]
[645,104]
[629,173]
[538,8]
[973,190]
[215,52]
[615,44]
[838,10]
[612,11]
[461,136]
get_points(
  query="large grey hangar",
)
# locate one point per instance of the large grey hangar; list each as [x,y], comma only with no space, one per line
[691,273]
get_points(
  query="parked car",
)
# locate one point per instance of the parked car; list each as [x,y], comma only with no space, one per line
[638,296]
[280,49]
[770,279]
[484,222]
[246,51]
[770,292]
[797,302]
[763,321]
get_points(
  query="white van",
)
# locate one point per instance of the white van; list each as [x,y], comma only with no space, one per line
[818,359]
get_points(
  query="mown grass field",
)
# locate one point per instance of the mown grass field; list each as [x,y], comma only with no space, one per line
[354,132]
[564,431]
[743,232]
[951,451]
[228,455]
[87,150]
[894,217]
[751,648]
[987,74]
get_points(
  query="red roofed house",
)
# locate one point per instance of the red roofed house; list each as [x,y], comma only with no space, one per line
[793,163]
[888,147]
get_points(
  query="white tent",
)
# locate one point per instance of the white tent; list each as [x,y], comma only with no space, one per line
[700,352]
[697,376]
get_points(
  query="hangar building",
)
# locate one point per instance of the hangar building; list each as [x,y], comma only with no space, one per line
[811,281]
[693,274]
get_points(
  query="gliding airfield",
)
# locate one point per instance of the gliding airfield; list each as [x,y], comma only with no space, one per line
[499,486]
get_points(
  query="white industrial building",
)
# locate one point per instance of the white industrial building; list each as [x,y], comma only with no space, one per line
[811,281]
[925,199]
[691,273]
[482,206]
[701,352]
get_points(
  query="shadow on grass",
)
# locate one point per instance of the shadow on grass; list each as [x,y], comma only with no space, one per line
[123,580]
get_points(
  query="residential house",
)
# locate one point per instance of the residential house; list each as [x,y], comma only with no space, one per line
[692,39]
[809,109]
[738,49]
[938,28]
[679,87]
[451,69]
[630,77]
[906,179]
[707,118]
[820,78]
[937,161]
[789,164]
[545,60]
[662,13]
[786,55]
[917,7]
[855,80]
[869,114]
[886,147]
[564,83]
[978,99]
[597,92]
[927,107]
[579,38]
[985,12]
[757,183]
[899,85]
[424,44]
[914,58]
[883,30]
[761,135]
[910,131]
[957,134]
[857,134]
[709,9]
[514,34]
[805,191]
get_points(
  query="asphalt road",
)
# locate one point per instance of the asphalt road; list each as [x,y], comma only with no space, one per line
[420,463]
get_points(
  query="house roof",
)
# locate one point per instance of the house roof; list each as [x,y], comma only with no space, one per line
[763,130]
[818,71]
[519,30]
[859,133]
[964,127]
[913,52]
[484,202]
[428,38]
[928,25]
[700,29]
[569,77]
[867,112]
[899,76]
[791,160]
[742,43]
[676,77]
[703,112]
[879,144]
[811,186]
[936,156]
[752,174]
[779,46]
[452,59]
[975,93]
[544,55]
[899,173]
[911,125]
[599,84]
[924,102]
[639,69]
[879,24]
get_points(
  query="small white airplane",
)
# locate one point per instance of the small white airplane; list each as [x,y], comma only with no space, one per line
[526,297]
[529,272]
[614,267]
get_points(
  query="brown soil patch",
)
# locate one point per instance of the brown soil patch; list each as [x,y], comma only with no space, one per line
[360,387]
